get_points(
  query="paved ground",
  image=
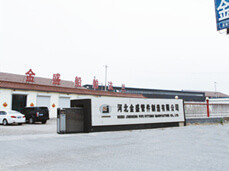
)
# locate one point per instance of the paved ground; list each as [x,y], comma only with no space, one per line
[38,147]
[29,129]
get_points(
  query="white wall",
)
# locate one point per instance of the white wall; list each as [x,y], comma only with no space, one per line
[31,98]
[5,96]
[55,101]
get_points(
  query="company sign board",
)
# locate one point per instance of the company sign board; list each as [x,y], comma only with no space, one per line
[222,14]
[124,111]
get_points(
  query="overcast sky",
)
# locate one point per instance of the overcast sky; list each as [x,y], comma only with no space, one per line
[146,43]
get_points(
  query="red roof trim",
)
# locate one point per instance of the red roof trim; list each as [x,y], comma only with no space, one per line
[46,88]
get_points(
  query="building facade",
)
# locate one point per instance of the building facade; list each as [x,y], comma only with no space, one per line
[16,93]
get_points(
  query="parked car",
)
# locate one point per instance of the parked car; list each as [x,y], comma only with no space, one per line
[11,117]
[36,114]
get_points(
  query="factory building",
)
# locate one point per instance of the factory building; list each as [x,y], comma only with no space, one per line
[19,91]
[16,93]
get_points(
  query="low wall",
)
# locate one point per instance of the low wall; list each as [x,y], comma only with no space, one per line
[204,120]
[198,112]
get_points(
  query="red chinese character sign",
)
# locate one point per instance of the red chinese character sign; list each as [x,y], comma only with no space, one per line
[123,88]
[78,81]
[30,76]
[95,84]
[56,79]
[110,85]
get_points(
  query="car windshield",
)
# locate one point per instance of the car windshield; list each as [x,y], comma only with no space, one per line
[12,112]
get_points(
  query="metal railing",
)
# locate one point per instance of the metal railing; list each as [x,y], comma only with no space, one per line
[206,110]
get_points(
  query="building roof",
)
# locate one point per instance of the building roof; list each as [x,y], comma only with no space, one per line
[159,93]
[37,80]
[213,94]
[150,91]
[17,82]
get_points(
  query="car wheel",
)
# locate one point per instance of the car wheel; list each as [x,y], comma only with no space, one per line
[19,123]
[4,122]
[44,122]
[31,121]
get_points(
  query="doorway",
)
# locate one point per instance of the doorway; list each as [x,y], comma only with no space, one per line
[18,102]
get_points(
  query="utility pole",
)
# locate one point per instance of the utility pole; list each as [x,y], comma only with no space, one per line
[106,77]
[215,89]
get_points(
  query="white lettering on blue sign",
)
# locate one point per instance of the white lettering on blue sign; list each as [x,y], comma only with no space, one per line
[222,14]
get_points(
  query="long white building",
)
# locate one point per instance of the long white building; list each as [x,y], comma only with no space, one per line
[16,93]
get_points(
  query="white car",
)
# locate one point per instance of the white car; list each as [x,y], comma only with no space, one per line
[11,117]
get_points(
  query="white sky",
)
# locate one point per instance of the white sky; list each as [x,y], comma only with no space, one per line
[146,43]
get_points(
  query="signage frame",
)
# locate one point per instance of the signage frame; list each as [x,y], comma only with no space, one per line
[111,118]
[221,23]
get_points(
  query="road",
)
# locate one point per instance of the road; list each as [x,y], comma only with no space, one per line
[38,147]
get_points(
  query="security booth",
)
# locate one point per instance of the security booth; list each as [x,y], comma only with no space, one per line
[112,113]
[70,120]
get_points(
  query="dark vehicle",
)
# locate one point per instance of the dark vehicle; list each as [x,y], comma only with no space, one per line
[36,114]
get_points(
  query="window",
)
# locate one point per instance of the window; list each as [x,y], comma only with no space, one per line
[3,113]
